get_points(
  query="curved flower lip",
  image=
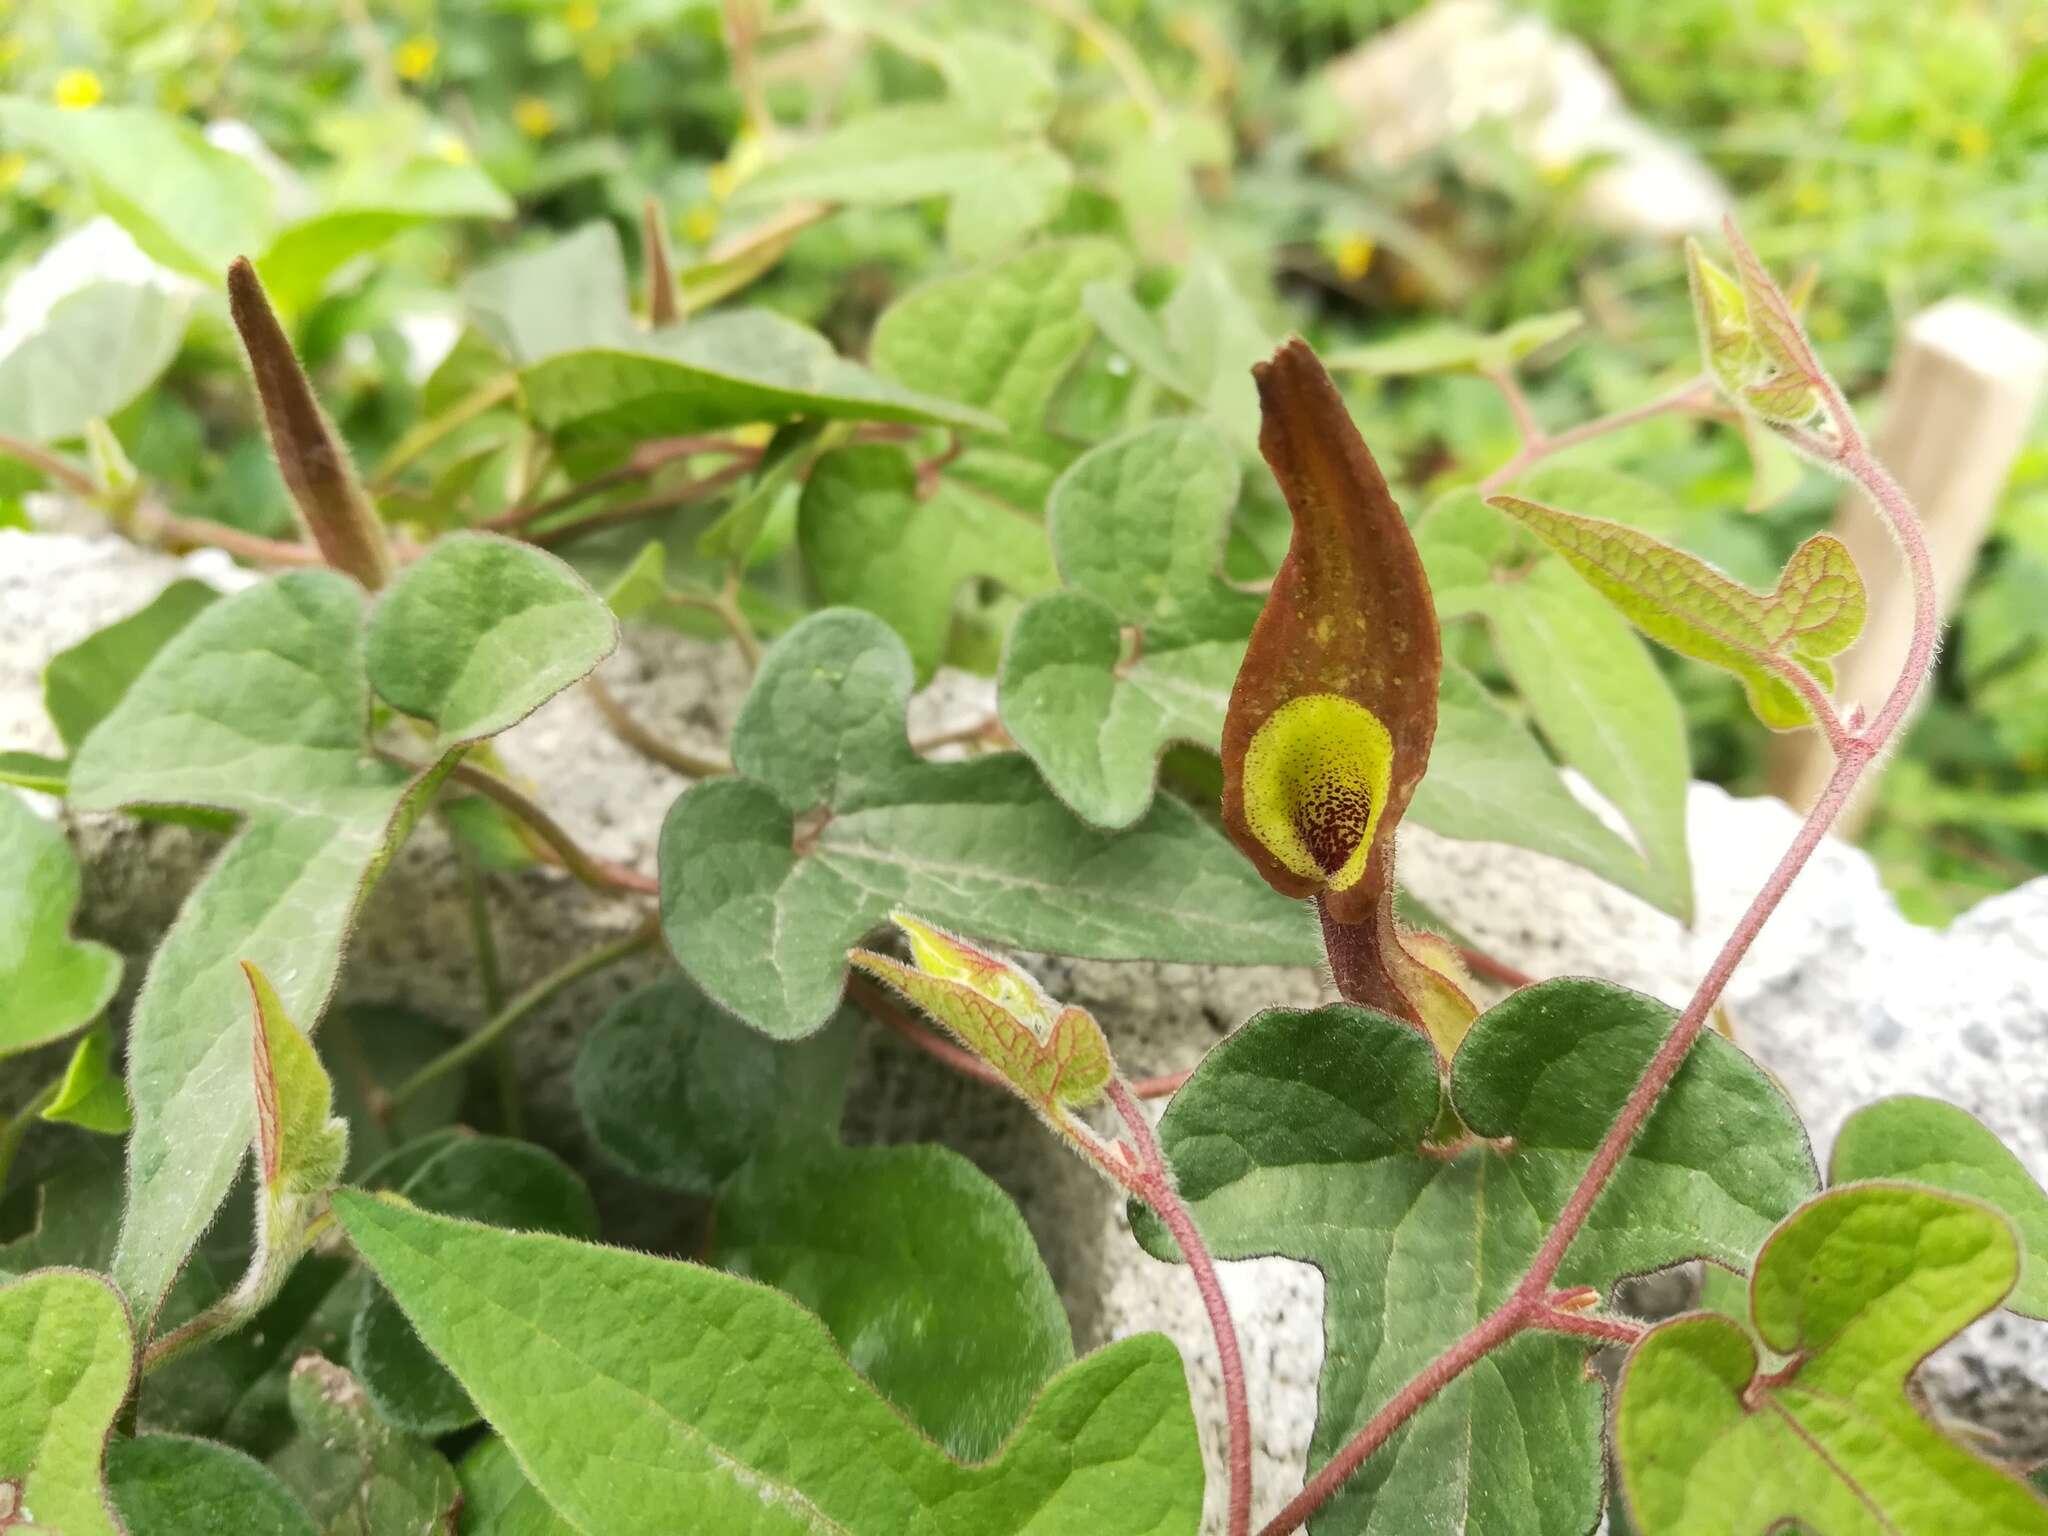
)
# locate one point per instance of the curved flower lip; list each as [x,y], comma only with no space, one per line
[1330,723]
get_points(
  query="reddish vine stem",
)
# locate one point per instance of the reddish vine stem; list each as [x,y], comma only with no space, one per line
[1152,1182]
[1531,1305]
[1692,398]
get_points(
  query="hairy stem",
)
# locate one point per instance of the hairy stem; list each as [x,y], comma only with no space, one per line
[513,1013]
[53,465]
[598,873]
[1153,1183]
[1694,397]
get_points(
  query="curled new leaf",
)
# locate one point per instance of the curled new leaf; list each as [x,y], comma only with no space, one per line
[1815,611]
[316,469]
[301,1143]
[1330,723]
[1055,1057]
[1750,338]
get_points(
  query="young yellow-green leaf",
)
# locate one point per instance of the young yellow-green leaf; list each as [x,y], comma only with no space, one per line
[355,1474]
[260,706]
[1815,611]
[1856,1288]
[1055,1057]
[90,1096]
[873,539]
[1721,318]
[1924,1141]
[82,685]
[1590,686]
[188,204]
[770,876]
[167,1485]
[615,1379]
[1304,1134]
[301,1146]
[66,1358]
[54,984]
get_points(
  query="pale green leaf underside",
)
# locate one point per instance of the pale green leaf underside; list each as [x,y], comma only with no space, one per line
[1682,602]
[1299,1135]
[763,919]
[96,350]
[1925,1141]
[259,706]
[65,1359]
[1859,1286]
[53,984]
[82,684]
[631,1388]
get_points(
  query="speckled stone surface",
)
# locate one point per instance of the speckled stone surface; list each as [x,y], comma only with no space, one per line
[1841,998]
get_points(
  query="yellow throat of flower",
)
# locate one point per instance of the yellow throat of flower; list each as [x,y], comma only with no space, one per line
[1316,779]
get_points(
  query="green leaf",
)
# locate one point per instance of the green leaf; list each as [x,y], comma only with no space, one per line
[1010,181]
[483,633]
[1218,336]
[720,370]
[189,205]
[82,685]
[65,1361]
[769,877]
[1454,349]
[676,1091]
[301,1146]
[354,1473]
[485,1178]
[33,770]
[872,541]
[1303,1134]
[1490,782]
[1858,1287]
[497,1500]
[90,1095]
[1589,686]
[96,350]
[1924,1141]
[922,1269]
[1000,337]
[167,1485]
[1677,600]
[1137,527]
[368,212]
[573,293]
[54,984]
[259,706]
[613,1378]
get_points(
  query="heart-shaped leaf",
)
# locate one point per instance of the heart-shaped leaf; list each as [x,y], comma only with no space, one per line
[768,878]
[1815,611]
[613,1377]
[259,706]
[66,1359]
[1924,1141]
[1857,1288]
[54,984]
[1309,1135]
[167,1485]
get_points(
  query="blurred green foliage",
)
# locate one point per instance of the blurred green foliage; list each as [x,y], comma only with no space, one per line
[1901,148]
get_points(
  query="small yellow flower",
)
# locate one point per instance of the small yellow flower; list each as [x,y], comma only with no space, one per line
[12,165]
[580,16]
[454,151]
[1973,141]
[414,58]
[700,224]
[534,117]
[77,89]
[753,434]
[1354,257]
